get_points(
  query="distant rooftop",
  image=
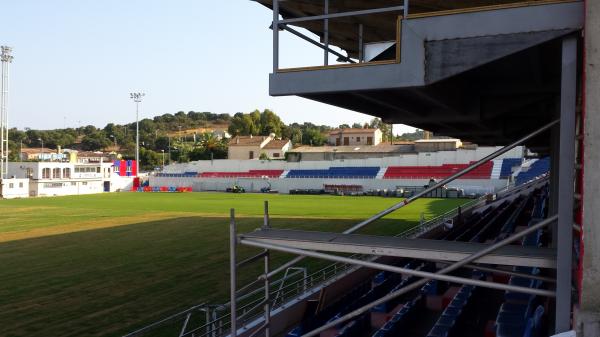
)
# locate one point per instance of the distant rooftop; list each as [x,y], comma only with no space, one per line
[381,148]
[352,130]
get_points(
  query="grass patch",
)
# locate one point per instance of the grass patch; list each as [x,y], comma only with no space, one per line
[103,265]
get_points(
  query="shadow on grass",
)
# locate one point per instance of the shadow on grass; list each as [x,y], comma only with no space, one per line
[110,281]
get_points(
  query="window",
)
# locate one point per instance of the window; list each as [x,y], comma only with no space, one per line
[369,140]
[73,183]
[358,139]
[56,173]
[346,140]
[251,155]
[11,185]
[53,185]
[276,155]
[46,173]
[117,168]
[98,169]
[67,173]
[337,142]
[29,172]
[20,185]
[84,183]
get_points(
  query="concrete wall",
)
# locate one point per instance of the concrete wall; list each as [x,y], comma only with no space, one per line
[119,184]
[239,152]
[46,188]
[14,188]
[356,138]
[460,156]
[589,318]
[478,186]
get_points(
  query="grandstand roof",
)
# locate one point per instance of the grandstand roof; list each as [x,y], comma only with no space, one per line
[343,32]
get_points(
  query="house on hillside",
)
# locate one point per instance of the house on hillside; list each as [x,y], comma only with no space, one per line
[434,145]
[251,147]
[349,137]
[42,154]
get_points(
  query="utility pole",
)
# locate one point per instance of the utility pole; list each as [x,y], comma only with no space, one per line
[6,59]
[137,98]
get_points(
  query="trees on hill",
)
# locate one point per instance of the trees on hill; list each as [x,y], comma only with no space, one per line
[256,123]
[157,135]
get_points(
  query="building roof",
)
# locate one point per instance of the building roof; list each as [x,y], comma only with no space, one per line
[381,148]
[351,131]
[276,144]
[83,154]
[438,140]
[257,141]
[246,140]
[36,150]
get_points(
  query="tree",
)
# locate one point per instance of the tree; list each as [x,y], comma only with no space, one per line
[357,126]
[270,123]
[377,123]
[150,159]
[263,156]
[243,125]
[95,142]
[344,126]
[313,137]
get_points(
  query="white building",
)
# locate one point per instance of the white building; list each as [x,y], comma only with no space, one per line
[340,137]
[56,178]
[14,188]
[251,147]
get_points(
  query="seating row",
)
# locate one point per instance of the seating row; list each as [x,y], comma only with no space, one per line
[336,172]
[437,172]
[538,168]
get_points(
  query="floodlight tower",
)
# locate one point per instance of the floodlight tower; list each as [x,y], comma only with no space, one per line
[6,59]
[137,98]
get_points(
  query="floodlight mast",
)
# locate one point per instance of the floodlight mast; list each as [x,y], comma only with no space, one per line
[6,58]
[137,98]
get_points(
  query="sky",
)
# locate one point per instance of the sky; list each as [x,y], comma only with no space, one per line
[76,61]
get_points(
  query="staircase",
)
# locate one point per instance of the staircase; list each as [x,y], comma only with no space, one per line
[381,173]
[497,169]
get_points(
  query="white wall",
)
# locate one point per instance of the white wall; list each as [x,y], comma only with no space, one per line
[14,188]
[120,184]
[44,188]
[285,185]
[459,156]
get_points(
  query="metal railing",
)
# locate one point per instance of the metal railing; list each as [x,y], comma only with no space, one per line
[284,24]
[217,317]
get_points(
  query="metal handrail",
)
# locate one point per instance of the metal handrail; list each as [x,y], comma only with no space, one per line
[290,290]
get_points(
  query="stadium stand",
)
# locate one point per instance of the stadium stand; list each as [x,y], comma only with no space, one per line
[538,168]
[444,309]
[437,172]
[507,166]
[178,175]
[247,174]
[369,172]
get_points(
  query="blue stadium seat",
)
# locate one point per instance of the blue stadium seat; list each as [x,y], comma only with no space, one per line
[336,172]
[539,167]
[507,165]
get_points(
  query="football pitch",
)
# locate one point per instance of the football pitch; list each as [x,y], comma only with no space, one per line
[106,264]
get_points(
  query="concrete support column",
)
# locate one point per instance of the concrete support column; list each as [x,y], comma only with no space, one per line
[589,316]
[566,185]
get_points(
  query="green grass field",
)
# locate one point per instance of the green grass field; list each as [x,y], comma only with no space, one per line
[103,265]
